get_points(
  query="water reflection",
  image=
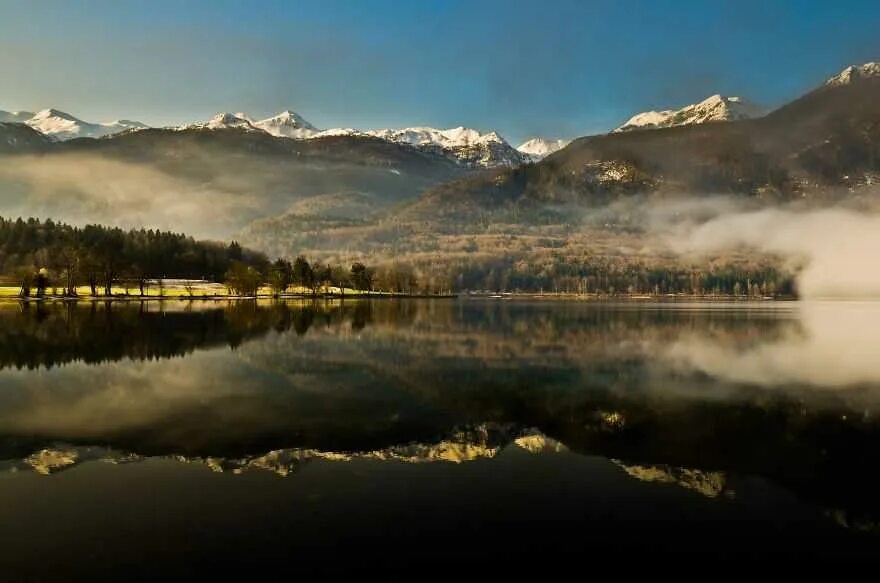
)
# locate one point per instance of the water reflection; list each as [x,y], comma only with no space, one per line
[47,335]
[682,394]
[834,345]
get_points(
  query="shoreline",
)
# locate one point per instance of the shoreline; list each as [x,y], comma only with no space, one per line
[220,298]
[521,296]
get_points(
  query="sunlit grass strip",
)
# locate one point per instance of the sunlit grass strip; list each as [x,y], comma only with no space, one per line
[196,291]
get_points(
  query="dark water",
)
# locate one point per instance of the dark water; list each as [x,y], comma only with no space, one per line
[180,440]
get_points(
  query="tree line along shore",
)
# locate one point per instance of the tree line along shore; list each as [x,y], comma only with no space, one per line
[50,260]
[45,259]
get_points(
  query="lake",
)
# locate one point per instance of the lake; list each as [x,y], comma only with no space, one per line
[146,440]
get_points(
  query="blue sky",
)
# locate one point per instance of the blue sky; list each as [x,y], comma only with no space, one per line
[553,68]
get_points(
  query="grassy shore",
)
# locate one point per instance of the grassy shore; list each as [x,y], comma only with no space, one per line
[199,291]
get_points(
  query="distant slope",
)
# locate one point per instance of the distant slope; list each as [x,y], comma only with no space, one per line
[17,137]
[15,116]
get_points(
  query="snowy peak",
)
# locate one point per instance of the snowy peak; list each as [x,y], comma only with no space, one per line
[539,148]
[15,116]
[452,138]
[223,121]
[711,109]
[854,73]
[464,145]
[60,125]
[57,124]
[287,124]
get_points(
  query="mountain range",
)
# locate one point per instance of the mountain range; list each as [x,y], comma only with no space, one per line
[284,184]
[466,146]
[59,125]
[827,139]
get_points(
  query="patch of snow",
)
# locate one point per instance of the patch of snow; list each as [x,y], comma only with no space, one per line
[223,121]
[426,136]
[336,132]
[711,109]
[287,124]
[59,125]
[538,148]
[854,73]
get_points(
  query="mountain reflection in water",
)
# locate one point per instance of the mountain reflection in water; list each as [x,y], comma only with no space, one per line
[692,396]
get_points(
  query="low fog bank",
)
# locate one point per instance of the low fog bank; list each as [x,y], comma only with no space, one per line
[87,189]
[838,247]
[832,249]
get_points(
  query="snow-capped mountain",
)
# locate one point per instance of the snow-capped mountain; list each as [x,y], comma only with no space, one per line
[714,108]
[539,148]
[424,136]
[287,124]
[854,73]
[61,126]
[15,116]
[224,121]
[465,145]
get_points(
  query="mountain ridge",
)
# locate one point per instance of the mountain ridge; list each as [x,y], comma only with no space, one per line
[712,109]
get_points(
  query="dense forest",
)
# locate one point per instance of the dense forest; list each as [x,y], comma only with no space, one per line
[38,254]
[602,275]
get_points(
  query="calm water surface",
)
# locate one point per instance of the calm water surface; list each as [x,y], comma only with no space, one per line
[140,441]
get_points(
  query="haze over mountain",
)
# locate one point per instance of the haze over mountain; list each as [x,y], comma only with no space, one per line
[15,116]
